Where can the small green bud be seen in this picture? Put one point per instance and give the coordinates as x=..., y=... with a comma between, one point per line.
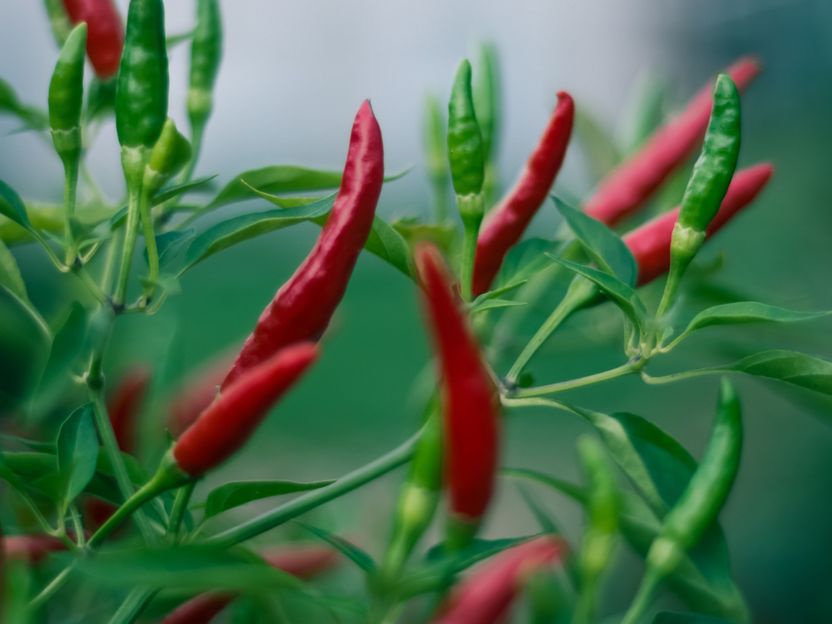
x=169, y=156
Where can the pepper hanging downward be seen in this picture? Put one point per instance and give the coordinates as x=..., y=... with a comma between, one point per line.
x=302, y=307
x=106, y=33
x=470, y=406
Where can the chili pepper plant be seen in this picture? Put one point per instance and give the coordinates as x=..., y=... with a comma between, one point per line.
x=102, y=525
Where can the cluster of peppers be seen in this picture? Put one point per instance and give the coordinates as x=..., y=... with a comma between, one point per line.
x=458, y=449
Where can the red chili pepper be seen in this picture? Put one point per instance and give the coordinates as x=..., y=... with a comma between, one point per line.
x=504, y=225
x=470, y=405
x=650, y=243
x=196, y=393
x=105, y=33
x=303, y=562
x=486, y=595
x=303, y=306
x=31, y=548
x=635, y=180
x=228, y=422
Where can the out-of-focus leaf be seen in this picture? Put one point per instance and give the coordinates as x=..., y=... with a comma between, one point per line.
x=11, y=206
x=24, y=345
x=352, y=552
x=524, y=260
x=230, y=495
x=597, y=144
x=275, y=179
x=10, y=276
x=10, y=104
x=77, y=447
x=646, y=113
x=667, y=617
x=386, y=243
x=70, y=337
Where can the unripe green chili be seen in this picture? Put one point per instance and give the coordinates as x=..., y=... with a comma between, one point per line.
x=436, y=152
x=699, y=505
x=486, y=89
x=66, y=99
x=58, y=20
x=141, y=110
x=708, y=183
x=206, y=53
x=467, y=160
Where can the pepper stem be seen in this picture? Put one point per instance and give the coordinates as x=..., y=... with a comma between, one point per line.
x=471, y=209
x=149, y=243
x=70, y=199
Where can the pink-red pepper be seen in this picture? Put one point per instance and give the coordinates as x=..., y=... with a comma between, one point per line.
x=226, y=424
x=650, y=243
x=634, y=181
x=196, y=393
x=105, y=34
x=470, y=406
x=31, y=548
x=302, y=308
x=506, y=223
x=487, y=594
x=303, y=562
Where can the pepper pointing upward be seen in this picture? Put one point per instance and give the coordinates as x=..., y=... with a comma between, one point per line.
x=301, y=309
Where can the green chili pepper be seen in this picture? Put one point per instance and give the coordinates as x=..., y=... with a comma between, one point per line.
x=170, y=154
x=699, y=505
x=141, y=112
x=206, y=52
x=602, y=524
x=58, y=20
x=66, y=99
x=419, y=495
x=487, y=105
x=436, y=155
x=708, y=183
x=467, y=159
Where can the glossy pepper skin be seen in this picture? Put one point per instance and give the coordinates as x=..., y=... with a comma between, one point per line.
x=302, y=308
x=470, y=409
x=303, y=562
x=506, y=223
x=206, y=53
x=105, y=40
x=66, y=97
x=486, y=596
x=142, y=88
x=634, y=181
x=227, y=423
x=466, y=152
x=650, y=242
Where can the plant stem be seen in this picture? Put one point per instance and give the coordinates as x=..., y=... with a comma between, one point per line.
x=149, y=242
x=130, y=234
x=133, y=606
x=271, y=519
x=180, y=506
x=70, y=198
x=641, y=603
x=131, y=505
x=581, y=291
x=466, y=267
x=665, y=379
x=613, y=373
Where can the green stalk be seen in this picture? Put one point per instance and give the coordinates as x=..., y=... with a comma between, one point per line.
x=70, y=200
x=149, y=242
x=613, y=373
x=471, y=209
x=130, y=233
x=644, y=598
x=133, y=605
x=300, y=505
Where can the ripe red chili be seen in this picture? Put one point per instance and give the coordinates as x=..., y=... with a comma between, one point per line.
x=195, y=394
x=31, y=548
x=634, y=181
x=303, y=562
x=229, y=421
x=303, y=306
x=650, y=243
x=487, y=594
x=504, y=225
x=470, y=406
x=105, y=34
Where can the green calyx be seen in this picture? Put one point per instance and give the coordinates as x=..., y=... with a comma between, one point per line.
x=66, y=95
x=168, y=157
x=465, y=145
x=142, y=87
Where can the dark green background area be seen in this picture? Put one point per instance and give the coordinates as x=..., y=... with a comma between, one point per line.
x=358, y=401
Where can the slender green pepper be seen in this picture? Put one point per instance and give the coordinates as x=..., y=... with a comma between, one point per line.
x=206, y=53
x=699, y=505
x=59, y=21
x=487, y=104
x=708, y=183
x=436, y=160
x=66, y=100
x=141, y=111
x=467, y=160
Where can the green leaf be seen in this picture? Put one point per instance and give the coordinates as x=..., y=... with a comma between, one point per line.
x=575, y=492
x=24, y=345
x=525, y=259
x=744, y=312
x=177, y=190
x=192, y=567
x=69, y=341
x=791, y=367
x=12, y=207
x=386, y=243
x=275, y=179
x=620, y=293
x=493, y=304
x=10, y=104
x=352, y=552
x=603, y=245
x=646, y=112
x=10, y=276
x=414, y=231
x=77, y=447
x=238, y=493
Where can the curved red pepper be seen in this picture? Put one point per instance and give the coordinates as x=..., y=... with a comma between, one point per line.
x=31, y=548
x=229, y=421
x=105, y=33
x=470, y=405
x=303, y=306
x=196, y=393
x=303, y=562
x=650, y=243
x=635, y=180
x=504, y=225
x=486, y=595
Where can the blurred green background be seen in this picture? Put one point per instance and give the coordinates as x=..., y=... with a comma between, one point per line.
x=294, y=76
